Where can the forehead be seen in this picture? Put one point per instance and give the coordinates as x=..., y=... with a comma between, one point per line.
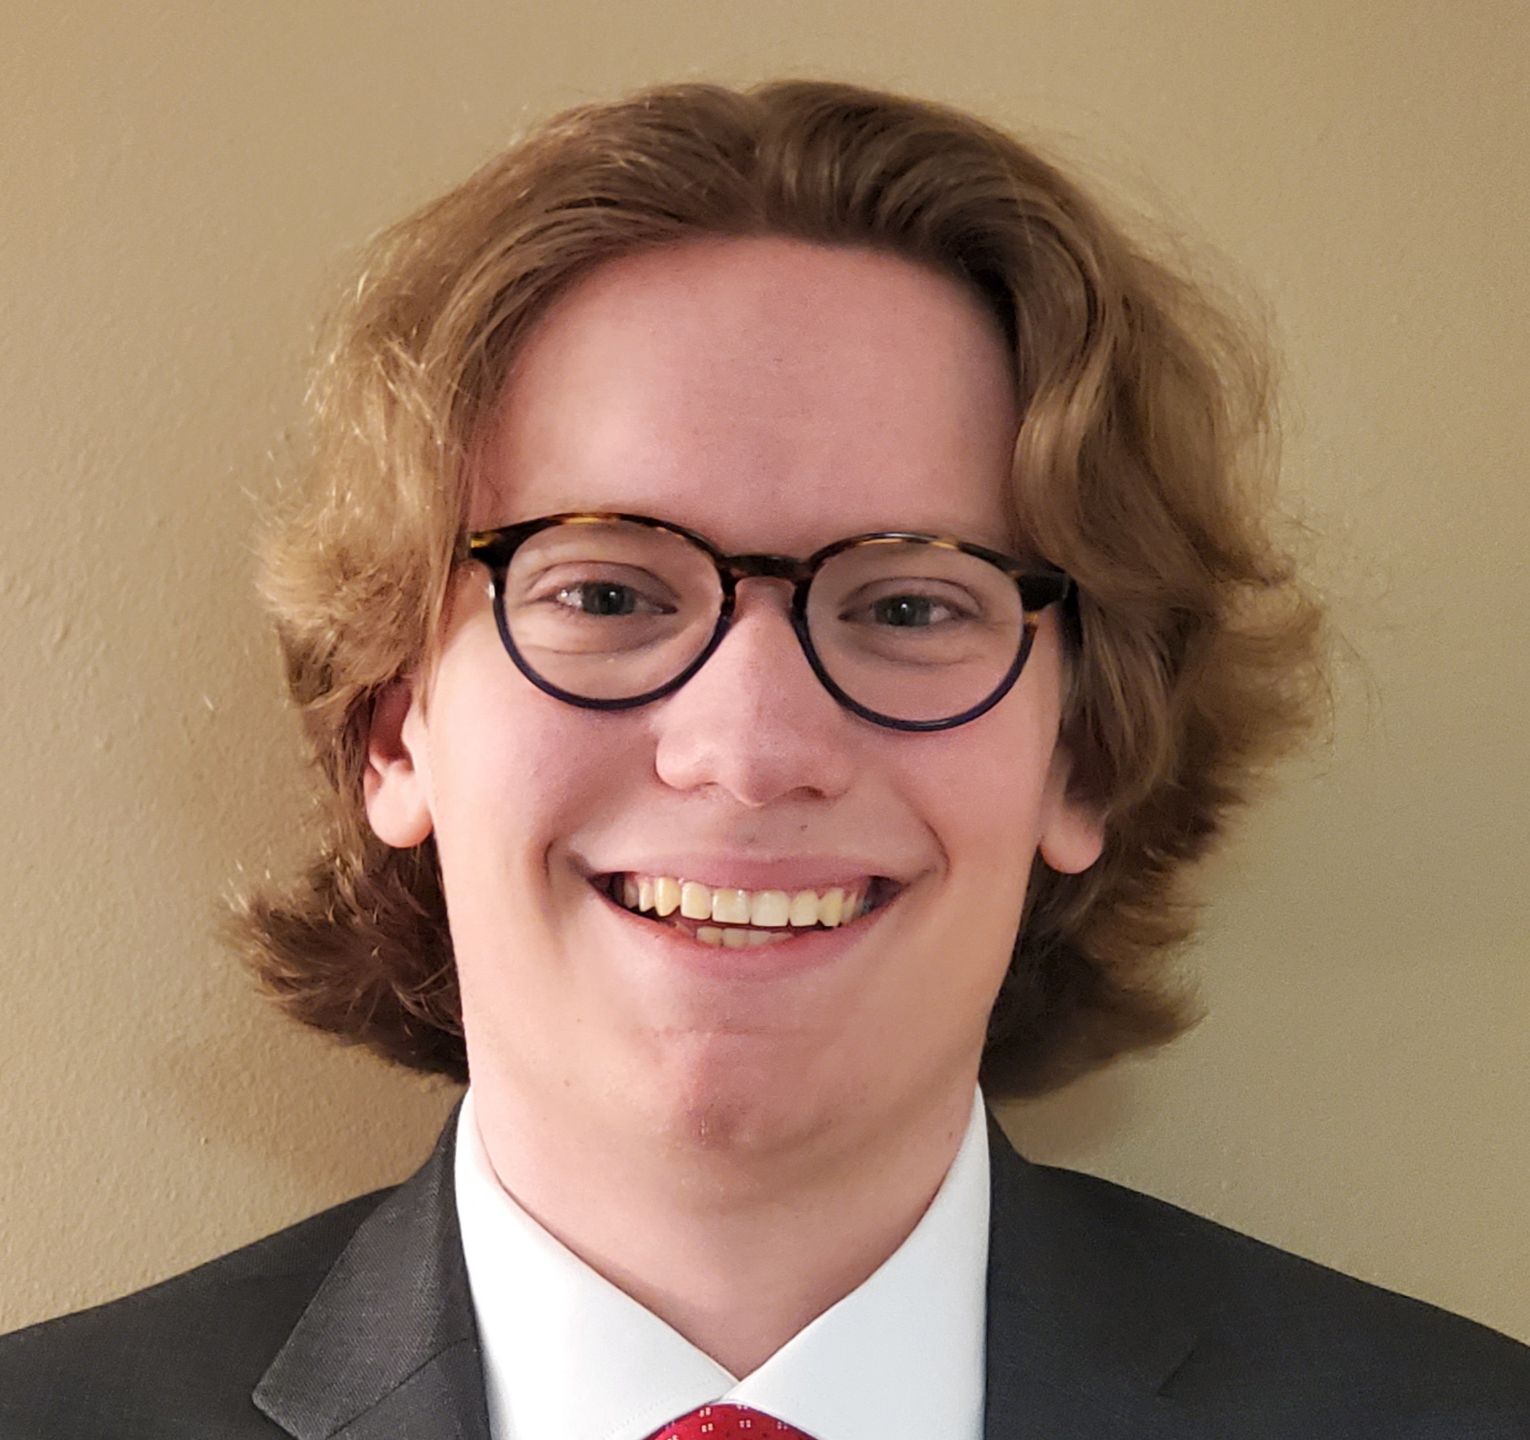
x=771, y=393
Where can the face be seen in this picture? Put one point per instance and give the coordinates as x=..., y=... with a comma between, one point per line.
x=773, y=395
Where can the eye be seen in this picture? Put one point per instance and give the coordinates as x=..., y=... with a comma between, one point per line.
x=925, y=607
x=910, y=612
x=605, y=598
x=598, y=592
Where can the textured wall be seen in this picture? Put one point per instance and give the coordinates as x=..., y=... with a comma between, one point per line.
x=180, y=182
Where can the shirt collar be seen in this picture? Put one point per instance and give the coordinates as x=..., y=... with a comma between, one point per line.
x=568, y=1356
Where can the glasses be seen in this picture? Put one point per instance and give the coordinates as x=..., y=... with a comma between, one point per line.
x=910, y=631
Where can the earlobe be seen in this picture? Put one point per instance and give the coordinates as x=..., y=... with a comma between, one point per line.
x=1073, y=833
x=395, y=783
x=1073, y=840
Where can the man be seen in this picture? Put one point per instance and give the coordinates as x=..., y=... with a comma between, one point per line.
x=778, y=609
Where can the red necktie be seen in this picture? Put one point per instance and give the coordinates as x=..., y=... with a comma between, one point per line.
x=726, y=1421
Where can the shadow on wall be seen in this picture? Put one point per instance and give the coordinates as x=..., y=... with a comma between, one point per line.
x=1079, y=1123
x=335, y=1121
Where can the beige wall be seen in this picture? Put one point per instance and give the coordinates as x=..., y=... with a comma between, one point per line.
x=179, y=182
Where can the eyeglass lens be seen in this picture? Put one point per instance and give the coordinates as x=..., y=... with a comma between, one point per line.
x=612, y=611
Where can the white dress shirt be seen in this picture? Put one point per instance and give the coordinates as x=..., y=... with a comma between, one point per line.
x=568, y=1356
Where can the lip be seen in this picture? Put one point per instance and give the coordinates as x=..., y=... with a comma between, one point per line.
x=807, y=950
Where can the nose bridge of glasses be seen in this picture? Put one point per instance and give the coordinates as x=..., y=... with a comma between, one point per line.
x=766, y=567
x=740, y=568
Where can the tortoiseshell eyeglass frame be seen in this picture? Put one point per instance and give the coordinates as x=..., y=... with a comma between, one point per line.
x=1038, y=589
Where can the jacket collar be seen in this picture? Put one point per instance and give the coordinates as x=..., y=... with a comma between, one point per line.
x=1084, y=1322
x=388, y=1347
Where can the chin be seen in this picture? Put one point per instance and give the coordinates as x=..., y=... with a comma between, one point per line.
x=732, y=1102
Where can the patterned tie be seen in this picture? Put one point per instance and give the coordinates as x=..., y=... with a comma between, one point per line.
x=727, y=1421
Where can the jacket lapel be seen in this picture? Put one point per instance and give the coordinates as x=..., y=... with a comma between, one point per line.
x=388, y=1347
x=1083, y=1326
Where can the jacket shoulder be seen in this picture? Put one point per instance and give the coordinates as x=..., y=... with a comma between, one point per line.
x=180, y=1358
x=1337, y=1347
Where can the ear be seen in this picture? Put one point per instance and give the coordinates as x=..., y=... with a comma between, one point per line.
x=396, y=783
x=1072, y=831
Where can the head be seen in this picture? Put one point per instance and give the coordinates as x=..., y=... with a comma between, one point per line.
x=777, y=317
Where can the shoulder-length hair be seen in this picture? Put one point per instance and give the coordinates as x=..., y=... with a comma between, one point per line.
x=1141, y=468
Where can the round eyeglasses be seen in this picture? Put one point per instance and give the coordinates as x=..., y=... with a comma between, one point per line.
x=907, y=630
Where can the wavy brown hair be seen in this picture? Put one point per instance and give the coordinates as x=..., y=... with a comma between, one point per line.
x=1142, y=468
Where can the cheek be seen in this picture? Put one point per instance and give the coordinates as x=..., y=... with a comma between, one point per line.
x=985, y=801
x=984, y=806
x=513, y=771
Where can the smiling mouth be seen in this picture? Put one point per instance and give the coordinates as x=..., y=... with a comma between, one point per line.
x=740, y=919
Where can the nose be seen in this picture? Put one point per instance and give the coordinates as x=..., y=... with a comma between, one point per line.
x=754, y=721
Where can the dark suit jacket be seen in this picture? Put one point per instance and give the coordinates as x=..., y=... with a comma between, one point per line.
x=1110, y=1315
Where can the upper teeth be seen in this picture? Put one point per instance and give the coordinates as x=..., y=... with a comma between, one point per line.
x=664, y=894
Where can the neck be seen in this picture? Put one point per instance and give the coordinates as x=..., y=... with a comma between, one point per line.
x=696, y=1234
